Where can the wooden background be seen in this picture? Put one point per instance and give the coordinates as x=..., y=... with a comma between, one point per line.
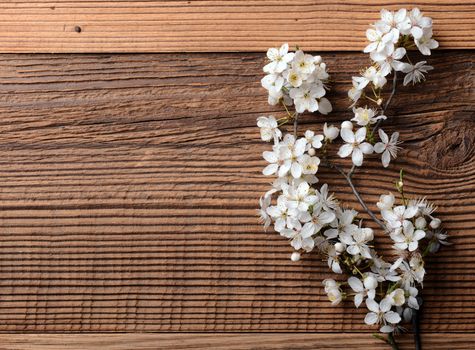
x=129, y=182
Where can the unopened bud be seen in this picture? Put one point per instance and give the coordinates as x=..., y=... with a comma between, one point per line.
x=339, y=247
x=347, y=124
x=311, y=151
x=295, y=256
x=435, y=223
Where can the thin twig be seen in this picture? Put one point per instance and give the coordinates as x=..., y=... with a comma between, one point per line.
x=357, y=195
x=385, y=108
x=296, y=121
x=416, y=329
x=392, y=342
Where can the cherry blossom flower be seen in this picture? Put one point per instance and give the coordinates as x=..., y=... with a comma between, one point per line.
x=331, y=132
x=305, y=97
x=389, y=59
x=362, y=289
x=325, y=201
x=386, y=201
x=279, y=59
x=365, y=116
x=300, y=237
x=370, y=75
x=381, y=314
x=269, y=128
x=378, y=40
x=333, y=291
x=343, y=223
x=303, y=63
x=388, y=147
x=318, y=219
x=264, y=203
x=397, y=216
x=425, y=43
x=299, y=197
x=309, y=164
x=415, y=73
x=394, y=22
x=418, y=23
x=355, y=145
x=313, y=140
x=357, y=242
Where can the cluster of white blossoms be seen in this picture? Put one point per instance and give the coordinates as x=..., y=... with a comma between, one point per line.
x=389, y=39
x=389, y=291
x=309, y=216
x=296, y=78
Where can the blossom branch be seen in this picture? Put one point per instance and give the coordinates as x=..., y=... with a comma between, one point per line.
x=309, y=216
x=348, y=179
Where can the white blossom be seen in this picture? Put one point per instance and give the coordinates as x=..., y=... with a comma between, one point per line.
x=386, y=201
x=397, y=216
x=303, y=63
x=331, y=132
x=357, y=240
x=300, y=237
x=309, y=164
x=378, y=40
x=318, y=219
x=313, y=140
x=279, y=59
x=305, y=97
x=269, y=128
x=299, y=197
x=366, y=116
x=326, y=201
x=389, y=59
x=381, y=314
x=425, y=43
x=333, y=291
x=355, y=145
x=372, y=75
x=363, y=289
x=418, y=23
x=394, y=23
x=388, y=147
x=415, y=73
x=343, y=223
x=264, y=217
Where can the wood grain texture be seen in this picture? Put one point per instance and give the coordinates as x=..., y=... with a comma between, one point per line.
x=212, y=26
x=242, y=341
x=129, y=187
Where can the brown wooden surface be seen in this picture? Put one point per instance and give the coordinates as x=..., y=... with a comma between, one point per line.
x=242, y=341
x=129, y=185
x=212, y=26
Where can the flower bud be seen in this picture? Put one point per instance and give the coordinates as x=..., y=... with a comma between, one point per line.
x=435, y=223
x=421, y=223
x=318, y=59
x=330, y=132
x=368, y=234
x=339, y=247
x=400, y=184
x=370, y=282
x=295, y=256
x=347, y=124
x=311, y=152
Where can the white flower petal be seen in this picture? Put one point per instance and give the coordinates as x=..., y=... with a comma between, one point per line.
x=345, y=150
x=357, y=157
x=270, y=169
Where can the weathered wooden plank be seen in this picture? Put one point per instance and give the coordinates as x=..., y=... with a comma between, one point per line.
x=211, y=26
x=129, y=185
x=242, y=341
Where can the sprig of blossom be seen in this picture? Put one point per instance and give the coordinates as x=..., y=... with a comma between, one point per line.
x=308, y=215
x=296, y=78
